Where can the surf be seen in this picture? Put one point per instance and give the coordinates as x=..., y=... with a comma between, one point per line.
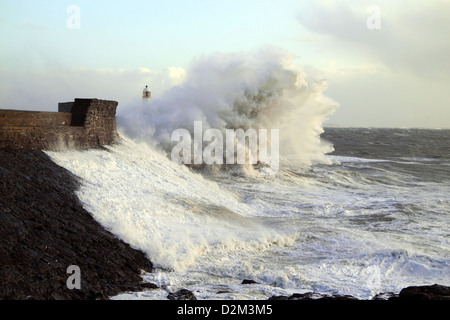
x=264, y=90
x=172, y=214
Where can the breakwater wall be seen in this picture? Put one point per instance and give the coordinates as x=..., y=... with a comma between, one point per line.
x=83, y=123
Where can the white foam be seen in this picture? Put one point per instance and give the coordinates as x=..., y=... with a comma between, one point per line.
x=328, y=229
x=258, y=90
x=162, y=208
x=342, y=159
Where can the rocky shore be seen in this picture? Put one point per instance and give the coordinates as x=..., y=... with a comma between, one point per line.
x=413, y=293
x=44, y=230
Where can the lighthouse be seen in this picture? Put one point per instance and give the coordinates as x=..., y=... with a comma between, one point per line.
x=146, y=93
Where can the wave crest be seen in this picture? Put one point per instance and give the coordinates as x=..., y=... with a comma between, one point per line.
x=260, y=90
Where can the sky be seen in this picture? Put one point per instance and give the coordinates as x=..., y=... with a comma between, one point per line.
x=387, y=63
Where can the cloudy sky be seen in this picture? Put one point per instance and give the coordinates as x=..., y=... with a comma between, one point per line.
x=387, y=62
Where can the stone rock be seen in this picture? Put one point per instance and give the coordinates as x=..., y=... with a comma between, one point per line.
x=313, y=296
x=145, y=286
x=385, y=296
x=182, y=294
x=246, y=281
x=433, y=292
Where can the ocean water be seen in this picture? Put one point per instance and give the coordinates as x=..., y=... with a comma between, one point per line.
x=372, y=218
x=349, y=211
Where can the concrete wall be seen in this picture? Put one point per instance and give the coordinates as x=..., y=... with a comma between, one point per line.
x=34, y=118
x=92, y=122
x=65, y=106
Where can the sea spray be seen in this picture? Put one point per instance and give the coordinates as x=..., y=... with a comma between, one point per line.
x=260, y=90
x=230, y=150
x=170, y=213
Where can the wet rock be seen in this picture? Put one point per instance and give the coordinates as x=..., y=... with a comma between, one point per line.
x=182, y=294
x=223, y=292
x=433, y=292
x=246, y=281
x=385, y=296
x=313, y=296
x=145, y=286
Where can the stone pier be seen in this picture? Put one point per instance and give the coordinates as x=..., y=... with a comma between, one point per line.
x=83, y=123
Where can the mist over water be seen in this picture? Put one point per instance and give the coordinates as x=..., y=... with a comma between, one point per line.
x=260, y=90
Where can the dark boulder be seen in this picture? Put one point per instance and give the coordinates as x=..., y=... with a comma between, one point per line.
x=433, y=292
x=313, y=296
x=246, y=281
x=182, y=294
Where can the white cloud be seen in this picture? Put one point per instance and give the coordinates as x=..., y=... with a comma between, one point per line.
x=146, y=70
x=413, y=37
x=388, y=100
x=393, y=76
x=177, y=75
